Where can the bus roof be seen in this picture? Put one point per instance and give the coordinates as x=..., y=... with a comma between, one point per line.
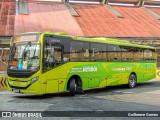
x=96, y=40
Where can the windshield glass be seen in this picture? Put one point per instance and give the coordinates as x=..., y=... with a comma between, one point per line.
x=24, y=56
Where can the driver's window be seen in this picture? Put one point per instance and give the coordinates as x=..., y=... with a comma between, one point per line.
x=52, y=56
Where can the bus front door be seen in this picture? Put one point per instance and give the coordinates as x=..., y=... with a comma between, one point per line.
x=52, y=66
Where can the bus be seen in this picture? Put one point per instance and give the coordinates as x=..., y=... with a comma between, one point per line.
x=48, y=62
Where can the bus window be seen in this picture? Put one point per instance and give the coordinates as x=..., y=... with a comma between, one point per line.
x=74, y=51
x=79, y=51
x=114, y=53
x=149, y=54
x=154, y=57
x=98, y=52
x=138, y=54
x=64, y=41
x=127, y=53
x=52, y=55
x=84, y=51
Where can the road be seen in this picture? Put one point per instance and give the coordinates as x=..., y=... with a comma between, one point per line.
x=145, y=97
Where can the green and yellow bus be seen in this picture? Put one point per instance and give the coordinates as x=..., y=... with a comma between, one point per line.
x=42, y=63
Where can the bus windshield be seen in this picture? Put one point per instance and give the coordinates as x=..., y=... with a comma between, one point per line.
x=24, y=56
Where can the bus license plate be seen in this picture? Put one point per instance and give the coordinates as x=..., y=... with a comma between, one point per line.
x=16, y=90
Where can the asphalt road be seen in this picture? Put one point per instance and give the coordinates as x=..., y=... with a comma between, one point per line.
x=145, y=97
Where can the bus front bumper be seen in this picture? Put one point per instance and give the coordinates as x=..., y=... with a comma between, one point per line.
x=26, y=87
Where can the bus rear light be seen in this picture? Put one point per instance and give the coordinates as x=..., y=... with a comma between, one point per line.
x=34, y=80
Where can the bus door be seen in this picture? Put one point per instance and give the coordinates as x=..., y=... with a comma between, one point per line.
x=53, y=59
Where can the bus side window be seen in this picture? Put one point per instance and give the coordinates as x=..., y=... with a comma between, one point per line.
x=98, y=52
x=114, y=53
x=154, y=57
x=52, y=55
x=66, y=52
x=138, y=54
x=79, y=51
x=149, y=54
x=127, y=53
x=84, y=51
x=74, y=51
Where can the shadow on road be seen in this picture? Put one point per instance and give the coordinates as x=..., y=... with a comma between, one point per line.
x=44, y=96
x=141, y=87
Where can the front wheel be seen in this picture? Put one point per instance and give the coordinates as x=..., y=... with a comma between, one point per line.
x=72, y=87
x=132, y=81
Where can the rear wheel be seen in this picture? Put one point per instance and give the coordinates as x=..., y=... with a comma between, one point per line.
x=132, y=81
x=72, y=87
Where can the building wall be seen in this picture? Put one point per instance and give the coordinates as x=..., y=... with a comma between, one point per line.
x=3, y=66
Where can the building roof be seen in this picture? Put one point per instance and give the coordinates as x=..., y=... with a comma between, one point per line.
x=47, y=17
x=98, y=20
x=93, y=20
x=7, y=13
x=155, y=10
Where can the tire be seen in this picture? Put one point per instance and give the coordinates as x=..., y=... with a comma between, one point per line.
x=79, y=90
x=72, y=87
x=132, y=81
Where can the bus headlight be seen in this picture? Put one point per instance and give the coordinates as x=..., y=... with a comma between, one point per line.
x=34, y=80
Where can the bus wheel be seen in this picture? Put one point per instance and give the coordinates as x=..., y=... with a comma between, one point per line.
x=132, y=81
x=72, y=87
